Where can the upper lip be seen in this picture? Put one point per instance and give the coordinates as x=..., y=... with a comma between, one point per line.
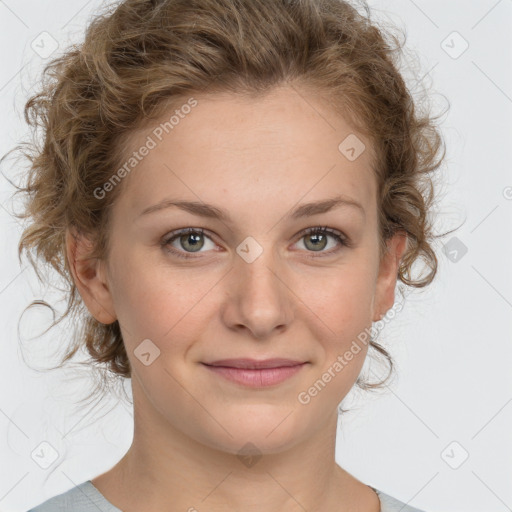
x=255, y=363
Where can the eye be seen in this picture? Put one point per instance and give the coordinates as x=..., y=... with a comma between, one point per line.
x=316, y=239
x=192, y=241
x=188, y=238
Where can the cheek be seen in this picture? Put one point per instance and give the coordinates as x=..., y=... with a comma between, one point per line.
x=342, y=308
x=342, y=300
x=156, y=301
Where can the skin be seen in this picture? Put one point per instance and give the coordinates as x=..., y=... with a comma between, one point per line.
x=258, y=159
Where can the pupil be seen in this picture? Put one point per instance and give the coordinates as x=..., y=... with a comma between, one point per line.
x=317, y=236
x=195, y=240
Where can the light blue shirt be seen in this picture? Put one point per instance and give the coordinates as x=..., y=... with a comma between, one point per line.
x=86, y=498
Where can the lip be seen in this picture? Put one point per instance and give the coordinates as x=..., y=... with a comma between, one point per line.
x=276, y=362
x=256, y=374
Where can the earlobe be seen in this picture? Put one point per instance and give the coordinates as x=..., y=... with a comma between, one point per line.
x=89, y=277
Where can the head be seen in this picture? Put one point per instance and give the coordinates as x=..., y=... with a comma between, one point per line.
x=250, y=111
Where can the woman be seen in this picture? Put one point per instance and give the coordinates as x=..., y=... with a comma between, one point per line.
x=232, y=189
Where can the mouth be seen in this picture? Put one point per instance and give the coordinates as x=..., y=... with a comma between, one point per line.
x=256, y=374
x=255, y=364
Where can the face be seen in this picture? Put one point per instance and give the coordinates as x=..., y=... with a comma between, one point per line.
x=254, y=283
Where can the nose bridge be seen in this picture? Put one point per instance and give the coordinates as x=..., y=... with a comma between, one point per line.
x=259, y=276
x=259, y=299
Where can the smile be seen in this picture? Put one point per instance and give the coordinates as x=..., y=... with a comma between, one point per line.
x=256, y=377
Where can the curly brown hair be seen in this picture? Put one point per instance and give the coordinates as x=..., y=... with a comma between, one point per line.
x=139, y=55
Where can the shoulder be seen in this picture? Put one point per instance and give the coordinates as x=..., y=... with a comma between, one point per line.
x=80, y=498
x=86, y=498
x=390, y=504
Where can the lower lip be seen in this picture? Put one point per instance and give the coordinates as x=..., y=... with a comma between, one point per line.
x=256, y=378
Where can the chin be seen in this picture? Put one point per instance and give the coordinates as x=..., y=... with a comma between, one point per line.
x=262, y=432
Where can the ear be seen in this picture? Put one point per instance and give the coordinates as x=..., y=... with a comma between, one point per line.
x=89, y=276
x=388, y=273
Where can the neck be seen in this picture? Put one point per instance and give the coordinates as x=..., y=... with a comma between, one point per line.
x=164, y=466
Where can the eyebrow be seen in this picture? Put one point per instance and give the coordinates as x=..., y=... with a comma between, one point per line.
x=210, y=211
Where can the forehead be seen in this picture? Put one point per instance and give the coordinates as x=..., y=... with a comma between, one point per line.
x=286, y=143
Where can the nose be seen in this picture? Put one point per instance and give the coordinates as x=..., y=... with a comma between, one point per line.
x=258, y=299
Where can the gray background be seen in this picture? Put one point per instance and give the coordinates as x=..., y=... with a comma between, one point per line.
x=452, y=397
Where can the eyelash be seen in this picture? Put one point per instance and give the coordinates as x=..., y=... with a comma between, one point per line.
x=319, y=230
